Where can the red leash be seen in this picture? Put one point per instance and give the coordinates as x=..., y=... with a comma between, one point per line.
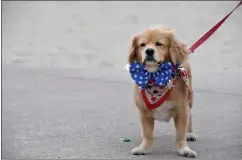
x=148, y=100
x=211, y=31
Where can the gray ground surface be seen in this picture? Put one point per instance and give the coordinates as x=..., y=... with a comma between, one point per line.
x=65, y=93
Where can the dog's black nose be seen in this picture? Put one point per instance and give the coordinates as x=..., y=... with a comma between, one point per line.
x=150, y=52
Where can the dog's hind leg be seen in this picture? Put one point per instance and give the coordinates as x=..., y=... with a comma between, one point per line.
x=191, y=136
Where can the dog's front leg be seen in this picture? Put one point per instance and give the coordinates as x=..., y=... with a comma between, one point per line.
x=147, y=128
x=181, y=120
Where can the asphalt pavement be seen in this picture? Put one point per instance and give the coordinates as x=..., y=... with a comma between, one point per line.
x=51, y=114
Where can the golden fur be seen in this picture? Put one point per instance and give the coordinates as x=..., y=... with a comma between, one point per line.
x=175, y=51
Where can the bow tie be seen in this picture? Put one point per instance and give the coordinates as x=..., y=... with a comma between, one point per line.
x=161, y=77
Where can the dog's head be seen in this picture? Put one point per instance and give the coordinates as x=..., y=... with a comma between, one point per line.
x=154, y=46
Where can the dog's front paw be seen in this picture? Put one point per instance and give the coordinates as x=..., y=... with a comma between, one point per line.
x=187, y=152
x=191, y=137
x=140, y=151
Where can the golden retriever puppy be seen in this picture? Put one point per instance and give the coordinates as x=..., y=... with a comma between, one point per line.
x=151, y=49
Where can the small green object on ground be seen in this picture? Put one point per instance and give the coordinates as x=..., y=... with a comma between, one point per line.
x=125, y=139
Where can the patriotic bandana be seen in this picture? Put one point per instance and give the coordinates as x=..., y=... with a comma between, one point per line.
x=141, y=76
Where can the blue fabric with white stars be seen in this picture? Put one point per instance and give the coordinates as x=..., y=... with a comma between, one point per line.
x=161, y=77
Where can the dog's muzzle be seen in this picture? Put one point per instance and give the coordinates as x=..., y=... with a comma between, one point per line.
x=150, y=56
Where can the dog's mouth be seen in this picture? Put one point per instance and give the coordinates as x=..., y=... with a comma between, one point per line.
x=150, y=63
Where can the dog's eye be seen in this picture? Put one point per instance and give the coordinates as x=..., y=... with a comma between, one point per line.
x=142, y=45
x=158, y=44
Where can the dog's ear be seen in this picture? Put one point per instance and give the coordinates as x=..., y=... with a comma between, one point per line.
x=133, y=50
x=177, y=50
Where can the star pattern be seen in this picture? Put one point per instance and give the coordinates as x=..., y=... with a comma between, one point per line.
x=141, y=76
x=169, y=84
x=155, y=91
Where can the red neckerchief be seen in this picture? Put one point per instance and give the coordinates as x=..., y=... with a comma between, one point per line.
x=154, y=95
